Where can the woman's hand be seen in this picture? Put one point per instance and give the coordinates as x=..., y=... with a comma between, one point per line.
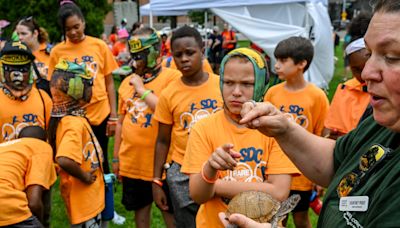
x=239, y=220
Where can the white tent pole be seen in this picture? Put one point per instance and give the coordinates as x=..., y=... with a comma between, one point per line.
x=150, y=15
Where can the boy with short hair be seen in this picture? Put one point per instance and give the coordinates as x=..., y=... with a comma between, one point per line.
x=306, y=104
x=138, y=94
x=27, y=169
x=185, y=101
x=225, y=158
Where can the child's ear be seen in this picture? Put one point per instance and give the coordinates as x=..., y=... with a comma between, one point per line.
x=302, y=64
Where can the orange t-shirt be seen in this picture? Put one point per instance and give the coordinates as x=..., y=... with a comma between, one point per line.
x=228, y=36
x=182, y=106
x=23, y=162
x=139, y=129
x=118, y=47
x=42, y=60
x=206, y=65
x=347, y=106
x=261, y=156
x=73, y=141
x=308, y=107
x=100, y=62
x=15, y=114
x=113, y=38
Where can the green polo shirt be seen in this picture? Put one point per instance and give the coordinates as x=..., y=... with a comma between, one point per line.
x=382, y=185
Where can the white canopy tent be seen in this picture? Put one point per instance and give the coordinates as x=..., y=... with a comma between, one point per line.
x=266, y=22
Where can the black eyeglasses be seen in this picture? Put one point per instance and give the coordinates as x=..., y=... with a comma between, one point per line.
x=368, y=162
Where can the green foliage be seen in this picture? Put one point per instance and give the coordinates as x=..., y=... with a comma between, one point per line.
x=45, y=13
x=198, y=16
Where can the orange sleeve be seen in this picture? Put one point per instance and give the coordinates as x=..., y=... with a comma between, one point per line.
x=321, y=113
x=278, y=162
x=163, y=114
x=52, y=63
x=41, y=170
x=121, y=99
x=197, y=150
x=109, y=61
x=70, y=145
x=207, y=67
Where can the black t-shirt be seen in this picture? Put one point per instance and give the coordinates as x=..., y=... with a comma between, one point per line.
x=217, y=47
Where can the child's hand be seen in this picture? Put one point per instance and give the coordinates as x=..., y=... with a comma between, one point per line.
x=224, y=158
x=90, y=177
x=137, y=82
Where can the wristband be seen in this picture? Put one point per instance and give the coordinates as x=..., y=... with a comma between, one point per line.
x=158, y=182
x=115, y=160
x=113, y=119
x=144, y=95
x=206, y=179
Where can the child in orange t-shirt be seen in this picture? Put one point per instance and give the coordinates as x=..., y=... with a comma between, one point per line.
x=306, y=104
x=134, y=156
x=81, y=48
x=22, y=103
x=185, y=101
x=78, y=152
x=225, y=158
x=26, y=170
x=349, y=105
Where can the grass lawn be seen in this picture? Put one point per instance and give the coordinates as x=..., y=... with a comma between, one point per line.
x=59, y=218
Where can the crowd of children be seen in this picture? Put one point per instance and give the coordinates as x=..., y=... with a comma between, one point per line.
x=178, y=137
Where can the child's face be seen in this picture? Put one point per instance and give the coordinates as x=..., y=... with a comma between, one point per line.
x=74, y=29
x=357, y=62
x=187, y=56
x=238, y=84
x=286, y=68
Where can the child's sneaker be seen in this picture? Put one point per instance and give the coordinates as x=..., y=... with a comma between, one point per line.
x=118, y=219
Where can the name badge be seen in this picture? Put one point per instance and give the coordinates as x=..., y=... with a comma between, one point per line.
x=353, y=203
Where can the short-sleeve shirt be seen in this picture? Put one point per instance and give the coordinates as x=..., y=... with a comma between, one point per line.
x=139, y=129
x=261, y=156
x=23, y=162
x=348, y=106
x=308, y=107
x=42, y=59
x=182, y=106
x=83, y=201
x=100, y=62
x=381, y=185
x=16, y=114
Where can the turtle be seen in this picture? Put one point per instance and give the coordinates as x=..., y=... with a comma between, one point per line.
x=261, y=207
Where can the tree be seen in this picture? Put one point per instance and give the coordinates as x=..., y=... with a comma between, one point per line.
x=198, y=16
x=45, y=13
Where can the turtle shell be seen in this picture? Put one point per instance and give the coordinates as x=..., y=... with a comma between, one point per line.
x=257, y=205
